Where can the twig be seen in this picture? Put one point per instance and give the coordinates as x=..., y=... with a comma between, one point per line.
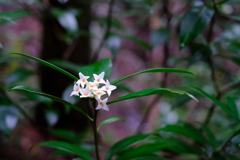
x=109, y=25
x=95, y=131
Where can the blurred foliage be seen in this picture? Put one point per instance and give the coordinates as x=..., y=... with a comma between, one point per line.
x=200, y=36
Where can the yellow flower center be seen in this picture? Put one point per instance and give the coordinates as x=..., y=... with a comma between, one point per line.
x=101, y=103
x=85, y=94
x=83, y=80
x=92, y=85
x=106, y=88
x=98, y=80
x=98, y=93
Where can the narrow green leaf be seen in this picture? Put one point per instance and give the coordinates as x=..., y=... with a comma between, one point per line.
x=171, y=144
x=49, y=65
x=124, y=144
x=193, y=23
x=185, y=130
x=65, y=134
x=145, y=157
x=232, y=105
x=210, y=136
x=25, y=89
x=109, y=120
x=151, y=91
x=6, y=17
x=66, y=65
x=105, y=65
x=64, y=146
x=213, y=99
x=168, y=70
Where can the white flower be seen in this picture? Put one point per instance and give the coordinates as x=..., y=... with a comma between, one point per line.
x=85, y=92
x=76, y=90
x=108, y=88
x=92, y=86
x=83, y=80
x=102, y=104
x=99, y=93
x=99, y=78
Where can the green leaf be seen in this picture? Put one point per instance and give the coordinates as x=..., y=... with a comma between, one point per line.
x=159, y=36
x=66, y=65
x=213, y=99
x=25, y=89
x=145, y=157
x=123, y=88
x=185, y=130
x=124, y=144
x=109, y=120
x=210, y=136
x=105, y=65
x=168, y=70
x=171, y=144
x=151, y=91
x=193, y=23
x=65, y=147
x=65, y=134
x=49, y=65
x=6, y=17
x=234, y=108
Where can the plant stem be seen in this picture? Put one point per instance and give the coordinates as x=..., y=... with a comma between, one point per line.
x=95, y=131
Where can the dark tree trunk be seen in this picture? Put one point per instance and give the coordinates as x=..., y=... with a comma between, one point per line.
x=54, y=47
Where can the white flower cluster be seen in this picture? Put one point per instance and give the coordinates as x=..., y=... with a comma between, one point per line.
x=86, y=89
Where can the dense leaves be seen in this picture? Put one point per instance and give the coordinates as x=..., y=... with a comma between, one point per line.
x=194, y=23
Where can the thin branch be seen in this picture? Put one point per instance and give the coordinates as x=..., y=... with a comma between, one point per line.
x=109, y=25
x=95, y=131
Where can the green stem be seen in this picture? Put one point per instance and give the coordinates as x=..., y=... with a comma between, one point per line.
x=95, y=131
